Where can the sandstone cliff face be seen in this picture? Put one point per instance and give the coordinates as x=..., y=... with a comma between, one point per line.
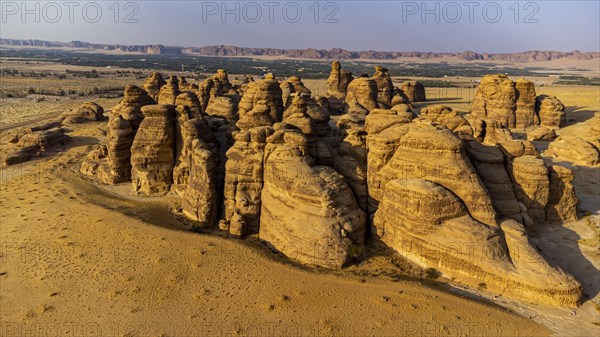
x=525, y=111
x=308, y=212
x=532, y=185
x=130, y=106
x=261, y=104
x=490, y=164
x=430, y=225
x=153, y=151
x=434, y=153
x=191, y=101
x=415, y=91
x=153, y=84
x=244, y=177
x=200, y=201
x=120, y=136
x=562, y=201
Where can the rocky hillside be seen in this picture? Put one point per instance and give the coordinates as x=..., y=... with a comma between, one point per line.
x=310, y=53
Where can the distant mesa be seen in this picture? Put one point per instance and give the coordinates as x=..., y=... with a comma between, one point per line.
x=310, y=53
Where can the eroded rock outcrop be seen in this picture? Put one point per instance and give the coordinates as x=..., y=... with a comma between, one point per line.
x=117, y=168
x=200, y=201
x=244, y=177
x=551, y=112
x=130, y=106
x=153, y=84
x=337, y=83
x=361, y=96
x=88, y=112
x=168, y=93
x=575, y=150
x=153, y=152
x=261, y=104
x=415, y=91
x=385, y=87
x=308, y=212
x=431, y=226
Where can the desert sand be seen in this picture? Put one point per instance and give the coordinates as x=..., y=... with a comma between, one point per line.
x=82, y=259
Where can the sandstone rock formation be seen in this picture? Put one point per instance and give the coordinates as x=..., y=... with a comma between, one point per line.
x=415, y=91
x=244, y=177
x=532, y=185
x=130, y=106
x=153, y=84
x=191, y=101
x=261, y=104
x=152, y=151
x=434, y=153
x=541, y=134
x=361, y=96
x=93, y=160
x=431, y=226
x=515, y=105
x=337, y=84
x=168, y=93
x=551, y=112
x=34, y=143
x=525, y=111
x=200, y=201
x=291, y=87
x=562, y=201
x=117, y=168
x=308, y=212
x=443, y=115
x=89, y=111
x=385, y=87
x=575, y=150
x=496, y=99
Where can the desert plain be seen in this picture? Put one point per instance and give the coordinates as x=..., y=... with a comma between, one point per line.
x=85, y=259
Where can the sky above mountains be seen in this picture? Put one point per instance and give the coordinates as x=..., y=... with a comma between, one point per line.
x=438, y=26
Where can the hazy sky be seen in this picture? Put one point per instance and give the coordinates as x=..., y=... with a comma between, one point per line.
x=354, y=25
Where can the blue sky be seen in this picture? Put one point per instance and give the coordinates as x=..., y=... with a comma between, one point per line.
x=354, y=25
